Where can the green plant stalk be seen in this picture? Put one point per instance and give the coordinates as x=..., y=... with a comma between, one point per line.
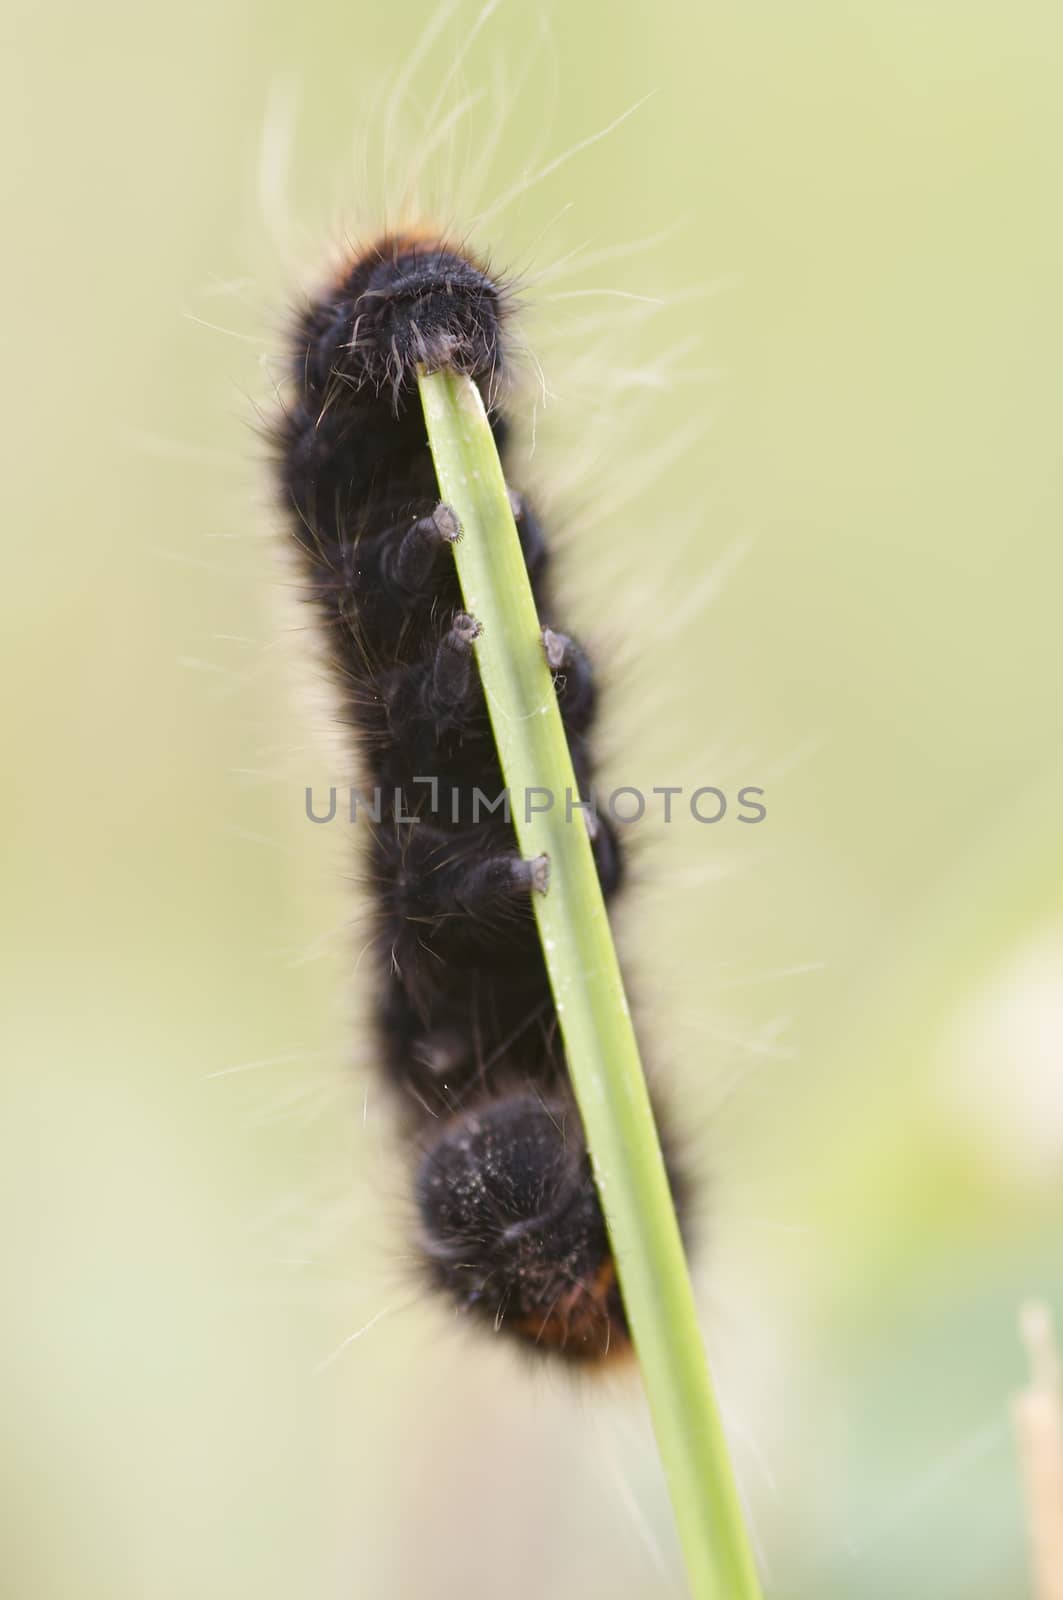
x=600, y=1045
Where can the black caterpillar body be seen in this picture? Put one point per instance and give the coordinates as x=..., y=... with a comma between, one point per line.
x=509, y=1215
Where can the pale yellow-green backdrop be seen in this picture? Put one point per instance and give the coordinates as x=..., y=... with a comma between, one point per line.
x=843, y=584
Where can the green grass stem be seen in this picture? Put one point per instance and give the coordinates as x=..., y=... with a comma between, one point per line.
x=592, y=1009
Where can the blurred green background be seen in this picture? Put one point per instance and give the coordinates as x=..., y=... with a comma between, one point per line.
x=816, y=544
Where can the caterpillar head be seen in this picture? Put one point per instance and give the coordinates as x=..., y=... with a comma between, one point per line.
x=513, y=1229
x=414, y=302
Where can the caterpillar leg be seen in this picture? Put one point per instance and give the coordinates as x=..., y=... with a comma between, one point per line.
x=498, y=878
x=378, y=587
x=530, y=533
x=410, y=561
x=434, y=697
x=441, y=1052
x=607, y=857
x=573, y=680
x=443, y=877
x=453, y=675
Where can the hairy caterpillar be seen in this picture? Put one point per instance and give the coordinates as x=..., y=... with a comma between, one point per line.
x=510, y=1222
